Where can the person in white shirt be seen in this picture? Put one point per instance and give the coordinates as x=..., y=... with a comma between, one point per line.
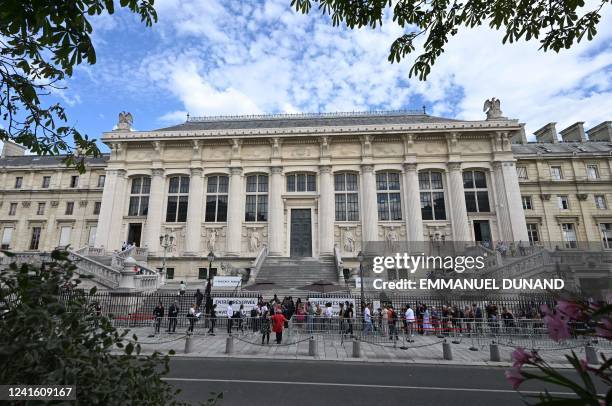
x=409, y=321
x=230, y=313
x=367, y=319
x=182, y=288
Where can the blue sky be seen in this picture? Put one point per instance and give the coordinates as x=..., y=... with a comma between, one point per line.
x=230, y=57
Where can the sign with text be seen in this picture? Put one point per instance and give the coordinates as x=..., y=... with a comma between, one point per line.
x=222, y=302
x=335, y=302
x=227, y=281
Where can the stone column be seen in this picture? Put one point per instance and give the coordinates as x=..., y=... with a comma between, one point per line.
x=501, y=203
x=461, y=231
x=106, y=208
x=155, y=215
x=518, y=225
x=235, y=213
x=414, y=220
x=370, y=207
x=275, y=212
x=114, y=237
x=326, y=211
x=193, y=227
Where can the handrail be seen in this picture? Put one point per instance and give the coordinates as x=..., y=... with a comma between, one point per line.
x=338, y=261
x=258, y=261
x=104, y=272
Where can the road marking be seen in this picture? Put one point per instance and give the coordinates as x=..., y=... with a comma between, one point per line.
x=363, y=385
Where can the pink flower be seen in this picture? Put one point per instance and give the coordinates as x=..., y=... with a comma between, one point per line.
x=514, y=376
x=605, y=328
x=557, y=326
x=520, y=357
x=571, y=309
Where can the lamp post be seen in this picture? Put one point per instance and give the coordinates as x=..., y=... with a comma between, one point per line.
x=211, y=258
x=166, y=241
x=360, y=259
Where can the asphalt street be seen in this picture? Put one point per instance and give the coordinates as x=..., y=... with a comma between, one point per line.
x=294, y=383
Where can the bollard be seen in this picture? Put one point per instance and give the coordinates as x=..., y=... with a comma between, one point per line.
x=356, y=349
x=591, y=355
x=312, y=347
x=187, y=343
x=229, y=345
x=446, y=351
x=494, y=350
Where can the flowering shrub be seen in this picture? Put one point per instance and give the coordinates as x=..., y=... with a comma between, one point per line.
x=562, y=323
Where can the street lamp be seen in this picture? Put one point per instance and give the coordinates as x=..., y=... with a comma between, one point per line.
x=360, y=259
x=211, y=258
x=165, y=241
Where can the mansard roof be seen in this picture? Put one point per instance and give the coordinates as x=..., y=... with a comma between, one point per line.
x=562, y=148
x=305, y=120
x=46, y=160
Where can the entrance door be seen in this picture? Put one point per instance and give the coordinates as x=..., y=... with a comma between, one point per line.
x=482, y=231
x=301, y=233
x=134, y=232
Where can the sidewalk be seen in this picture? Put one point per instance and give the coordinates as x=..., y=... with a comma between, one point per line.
x=424, y=349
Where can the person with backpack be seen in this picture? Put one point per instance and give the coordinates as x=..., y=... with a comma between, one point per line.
x=158, y=313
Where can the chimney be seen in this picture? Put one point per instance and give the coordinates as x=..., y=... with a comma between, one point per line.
x=548, y=133
x=574, y=133
x=601, y=132
x=11, y=149
x=519, y=137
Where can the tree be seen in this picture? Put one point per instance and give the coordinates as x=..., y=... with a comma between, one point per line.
x=40, y=44
x=557, y=24
x=51, y=335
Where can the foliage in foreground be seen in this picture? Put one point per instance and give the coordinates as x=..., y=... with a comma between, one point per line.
x=46, y=339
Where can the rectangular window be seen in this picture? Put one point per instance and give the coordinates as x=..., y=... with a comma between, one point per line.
x=65, y=236
x=178, y=197
x=202, y=273
x=564, y=202
x=46, y=182
x=569, y=235
x=521, y=171
x=532, y=232
x=18, y=182
x=74, y=181
x=91, y=240
x=301, y=182
x=592, y=172
x=256, y=206
x=556, y=173
x=12, y=209
x=389, y=204
x=101, y=180
x=527, y=203
x=169, y=273
x=600, y=202
x=7, y=236
x=35, y=240
x=69, y=208
x=346, y=197
x=216, y=199
x=606, y=234
x=96, y=209
x=41, y=209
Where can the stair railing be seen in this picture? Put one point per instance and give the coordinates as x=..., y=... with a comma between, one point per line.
x=258, y=262
x=338, y=262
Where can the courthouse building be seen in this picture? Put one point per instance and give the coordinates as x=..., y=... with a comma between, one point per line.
x=302, y=185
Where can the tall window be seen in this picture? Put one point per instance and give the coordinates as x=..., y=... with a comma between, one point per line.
x=556, y=173
x=178, y=196
x=13, y=209
x=600, y=202
x=41, y=209
x=301, y=182
x=101, y=180
x=569, y=235
x=606, y=234
x=96, y=208
x=256, y=198
x=563, y=202
x=521, y=171
x=532, y=233
x=65, y=232
x=74, y=181
x=18, y=182
x=388, y=196
x=432, y=196
x=216, y=198
x=139, y=196
x=592, y=171
x=35, y=240
x=347, y=200
x=46, y=181
x=476, y=193
x=7, y=236
x=69, y=208
x=527, y=203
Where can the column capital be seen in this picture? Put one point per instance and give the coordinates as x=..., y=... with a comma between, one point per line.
x=197, y=171
x=367, y=168
x=236, y=170
x=410, y=166
x=158, y=172
x=454, y=166
x=276, y=169
x=325, y=168
x=497, y=164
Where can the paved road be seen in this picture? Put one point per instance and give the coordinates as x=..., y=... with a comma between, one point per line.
x=294, y=383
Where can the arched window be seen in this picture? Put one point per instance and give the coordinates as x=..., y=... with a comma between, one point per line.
x=216, y=198
x=432, y=195
x=139, y=196
x=256, y=198
x=301, y=182
x=476, y=193
x=178, y=196
x=388, y=196
x=347, y=199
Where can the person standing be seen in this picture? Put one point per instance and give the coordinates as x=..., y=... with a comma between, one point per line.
x=199, y=297
x=348, y=317
x=229, y=312
x=367, y=319
x=213, y=319
x=310, y=315
x=158, y=313
x=278, y=323
x=392, y=323
x=192, y=317
x=409, y=321
x=182, y=288
x=173, y=312
x=265, y=328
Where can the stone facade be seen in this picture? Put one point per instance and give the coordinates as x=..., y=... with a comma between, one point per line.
x=303, y=184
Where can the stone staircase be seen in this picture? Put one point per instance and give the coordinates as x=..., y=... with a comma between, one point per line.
x=298, y=272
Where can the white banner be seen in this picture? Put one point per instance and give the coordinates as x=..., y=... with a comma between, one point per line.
x=335, y=302
x=222, y=302
x=227, y=281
